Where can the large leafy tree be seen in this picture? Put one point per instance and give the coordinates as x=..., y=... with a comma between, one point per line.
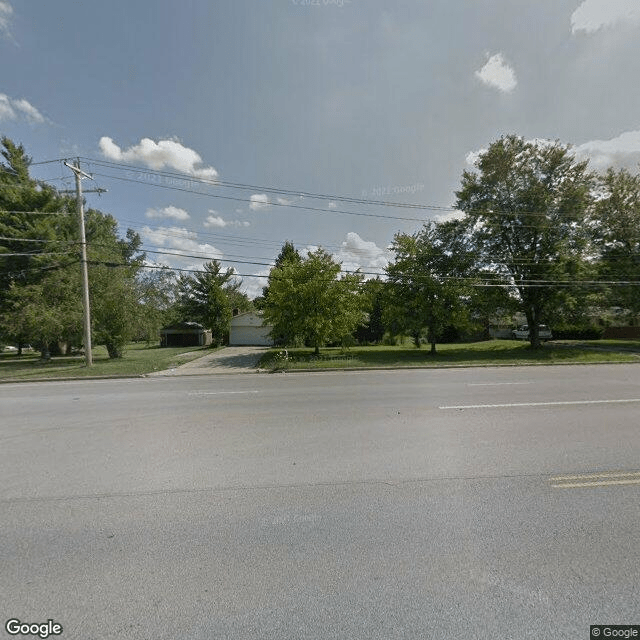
x=34, y=240
x=114, y=264
x=372, y=328
x=428, y=281
x=283, y=333
x=617, y=232
x=208, y=297
x=40, y=290
x=528, y=202
x=307, y=300
x=157, y=294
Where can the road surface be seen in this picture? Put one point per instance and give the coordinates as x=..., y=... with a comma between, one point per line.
x=472, y=502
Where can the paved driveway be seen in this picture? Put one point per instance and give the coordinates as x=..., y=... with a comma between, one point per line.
x=227, y=360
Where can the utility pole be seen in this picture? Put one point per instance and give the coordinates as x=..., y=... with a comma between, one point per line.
x=79, y=174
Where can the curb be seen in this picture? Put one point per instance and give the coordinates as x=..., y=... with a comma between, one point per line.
x=151, y=375
x=67, y=379
x=454, y=366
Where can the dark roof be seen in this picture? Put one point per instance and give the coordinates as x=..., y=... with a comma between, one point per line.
x=187, y=326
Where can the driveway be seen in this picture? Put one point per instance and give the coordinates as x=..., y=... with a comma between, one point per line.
x=227, y=360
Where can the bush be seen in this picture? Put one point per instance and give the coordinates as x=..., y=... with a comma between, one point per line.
x=578, y=332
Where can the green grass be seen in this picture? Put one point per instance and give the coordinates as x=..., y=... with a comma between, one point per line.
x=622, y=345
x=138, y=359
x=476, y=353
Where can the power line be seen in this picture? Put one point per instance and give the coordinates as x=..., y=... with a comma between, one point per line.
x=40, y=213
x=267, y=189
x=245, y=200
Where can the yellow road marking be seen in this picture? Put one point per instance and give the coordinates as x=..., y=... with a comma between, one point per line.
x=587, y=476
x=601, y=483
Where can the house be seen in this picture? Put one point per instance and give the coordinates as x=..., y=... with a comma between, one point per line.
x=185, y=334
x=248, y=329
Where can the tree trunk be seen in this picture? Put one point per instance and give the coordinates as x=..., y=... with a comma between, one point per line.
x=534, y=328
x=433, y=348
x=114, y=350
x=316, y=351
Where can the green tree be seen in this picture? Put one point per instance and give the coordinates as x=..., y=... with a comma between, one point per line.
x=39, y=264
x=157, y=293
x=427, y=283
x=372, y=329
x=281, y=334
x=206, y=297
x=617, y=233
x=527, y=203
x=47, y=311
x=307, y=300
x=114, y=264
x=31, y=244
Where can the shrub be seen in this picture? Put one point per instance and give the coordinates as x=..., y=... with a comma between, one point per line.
x=578, y=332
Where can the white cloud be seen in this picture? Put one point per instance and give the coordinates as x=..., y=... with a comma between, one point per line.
x=168, y=212
x=473, y=156
x=6, y=110
x=332, y=205
x=252, y=285
x=452, y=215
x=12, y=109
x=6, y=11
x=593, y=15
x=259, y=201
x=498, y=74
x=356, y=253
x=158, y=155
x=182, y=241
x=29, y=111
x=216, y=221
x=283, y=201
x=618, y=152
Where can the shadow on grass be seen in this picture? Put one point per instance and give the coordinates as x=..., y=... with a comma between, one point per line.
x=485, y=353
x=139, y=358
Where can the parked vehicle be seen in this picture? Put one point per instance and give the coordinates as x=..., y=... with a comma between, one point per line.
x=522, y=333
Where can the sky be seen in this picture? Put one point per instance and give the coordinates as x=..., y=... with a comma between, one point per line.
x=223, y=129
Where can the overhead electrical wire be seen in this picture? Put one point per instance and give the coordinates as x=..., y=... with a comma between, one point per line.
x=283, y=191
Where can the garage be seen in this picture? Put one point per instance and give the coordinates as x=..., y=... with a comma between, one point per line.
x=248, y=329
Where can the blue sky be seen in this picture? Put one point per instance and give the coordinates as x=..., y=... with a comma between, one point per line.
x=358, y=98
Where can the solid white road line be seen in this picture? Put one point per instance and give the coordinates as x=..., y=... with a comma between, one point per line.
x=538, y=404
x=217, y=393
x=494, y=384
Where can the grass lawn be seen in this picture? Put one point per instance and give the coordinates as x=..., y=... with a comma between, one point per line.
x=476, y=353
x=629, y=345
x=138, y=359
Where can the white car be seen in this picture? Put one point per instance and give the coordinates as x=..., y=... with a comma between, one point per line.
x=522, y=333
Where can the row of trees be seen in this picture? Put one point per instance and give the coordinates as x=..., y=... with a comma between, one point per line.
x=40, y=299
x=537, y=232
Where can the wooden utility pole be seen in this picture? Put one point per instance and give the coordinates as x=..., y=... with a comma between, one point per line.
x=79, y=174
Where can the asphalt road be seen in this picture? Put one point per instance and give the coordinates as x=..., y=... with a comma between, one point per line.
x=458, y=503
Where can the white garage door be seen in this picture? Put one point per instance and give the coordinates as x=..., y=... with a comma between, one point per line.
x=249, y=336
